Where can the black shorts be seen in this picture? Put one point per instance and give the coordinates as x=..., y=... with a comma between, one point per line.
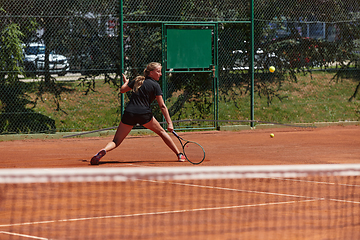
x=134, y=119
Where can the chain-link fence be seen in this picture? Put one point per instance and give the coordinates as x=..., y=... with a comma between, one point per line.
x=73, y=52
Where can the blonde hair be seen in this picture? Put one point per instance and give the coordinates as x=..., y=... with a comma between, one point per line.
x=139, y=80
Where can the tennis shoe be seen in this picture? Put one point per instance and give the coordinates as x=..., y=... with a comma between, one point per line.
x=181, y=157
x=95, y=159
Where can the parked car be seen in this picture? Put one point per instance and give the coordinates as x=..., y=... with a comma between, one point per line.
x=34, y=60
x=262, y=60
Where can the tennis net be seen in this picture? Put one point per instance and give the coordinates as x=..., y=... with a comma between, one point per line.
x=223, y=202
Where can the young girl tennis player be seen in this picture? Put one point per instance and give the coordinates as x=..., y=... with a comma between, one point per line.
x=145, y=91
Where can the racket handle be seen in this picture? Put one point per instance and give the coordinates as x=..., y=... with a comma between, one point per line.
x=175, y=133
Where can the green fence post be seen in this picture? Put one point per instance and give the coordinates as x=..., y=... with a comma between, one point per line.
x=216, y=74
x=121, y=46
x=251, y=68
x=164, y=65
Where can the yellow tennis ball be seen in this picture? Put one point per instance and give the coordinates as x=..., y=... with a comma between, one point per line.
x=272, y=69
x=272, y=135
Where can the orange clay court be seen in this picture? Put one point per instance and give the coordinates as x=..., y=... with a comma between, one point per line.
x=324, y=145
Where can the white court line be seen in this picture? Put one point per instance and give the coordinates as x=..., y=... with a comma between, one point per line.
x=23, y=235
x=181, y=211
x=238, y=190
x=309, y=199
x=317, y=182
x=258, y=192
x=154, y=213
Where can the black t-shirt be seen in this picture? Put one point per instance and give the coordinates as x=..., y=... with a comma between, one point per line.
x=140, y=101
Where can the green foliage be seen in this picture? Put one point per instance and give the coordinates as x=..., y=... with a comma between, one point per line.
x=73, y=27
x=15, y=117
x=10, y=53
x=191, y=95
x=185, y=10
x=80, y=110
x=311, y=99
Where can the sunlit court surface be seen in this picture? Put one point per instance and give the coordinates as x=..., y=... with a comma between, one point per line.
x=303, y=183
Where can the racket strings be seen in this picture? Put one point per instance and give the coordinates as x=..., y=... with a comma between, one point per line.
x=194, y=152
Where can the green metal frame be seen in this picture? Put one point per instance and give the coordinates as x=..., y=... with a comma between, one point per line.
x=216, y=72
x=213, y=68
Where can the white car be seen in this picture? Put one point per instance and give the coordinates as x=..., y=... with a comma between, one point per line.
x=262, y=60
x=34, y=60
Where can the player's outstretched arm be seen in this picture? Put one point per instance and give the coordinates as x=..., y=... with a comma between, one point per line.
x=125, y=88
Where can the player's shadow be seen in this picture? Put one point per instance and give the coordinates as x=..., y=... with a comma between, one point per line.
x=137, y=162
x=134, y=162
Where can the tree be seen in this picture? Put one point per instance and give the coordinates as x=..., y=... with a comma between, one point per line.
x=10, y=52
x=295, y=51
x=15, y=117
x=66, y=25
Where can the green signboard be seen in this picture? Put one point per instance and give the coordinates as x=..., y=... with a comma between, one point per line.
x=189, y=48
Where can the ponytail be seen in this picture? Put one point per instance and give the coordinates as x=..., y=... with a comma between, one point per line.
x=139, y=80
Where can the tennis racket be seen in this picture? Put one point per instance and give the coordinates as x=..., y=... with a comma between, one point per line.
x=193, y=151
